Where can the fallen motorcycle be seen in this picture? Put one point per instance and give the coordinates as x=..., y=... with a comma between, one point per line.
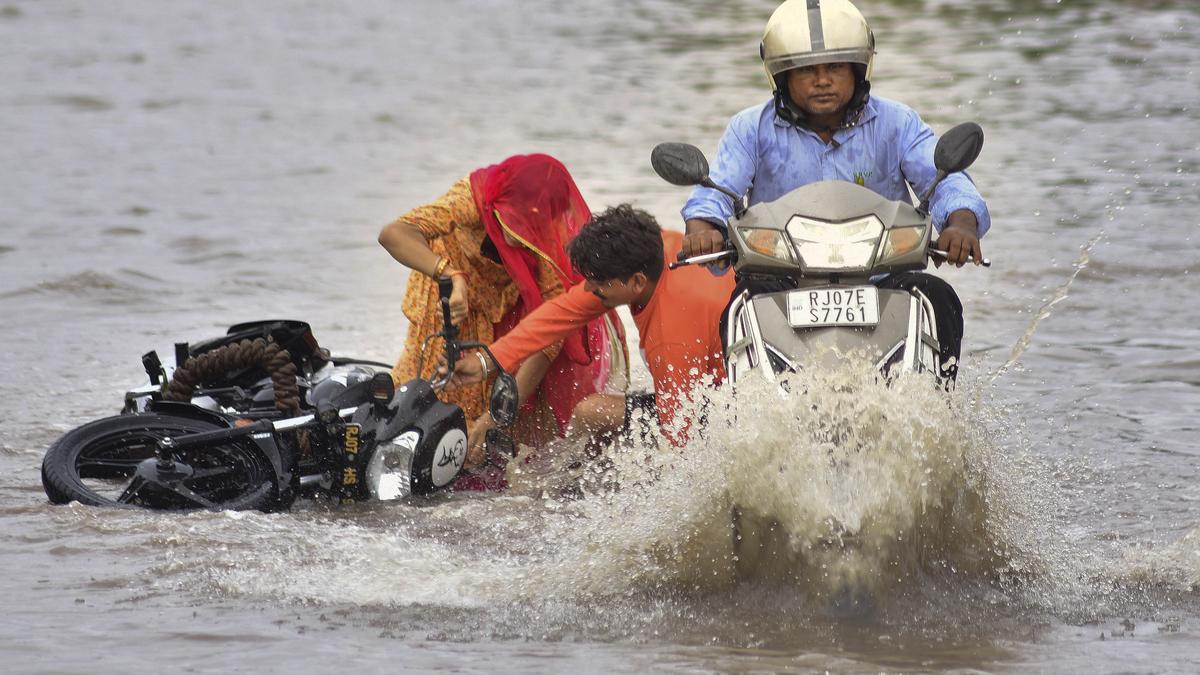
x=263, y=415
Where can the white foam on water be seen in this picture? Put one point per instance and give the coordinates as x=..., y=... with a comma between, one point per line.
x=1175, y=565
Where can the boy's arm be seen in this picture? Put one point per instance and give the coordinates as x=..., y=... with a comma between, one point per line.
x=554, y=320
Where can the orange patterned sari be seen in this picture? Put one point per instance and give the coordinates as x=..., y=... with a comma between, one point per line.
x=532, y=199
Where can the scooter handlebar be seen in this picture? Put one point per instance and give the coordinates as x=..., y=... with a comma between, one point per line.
x=943, y=255
x=705, y=259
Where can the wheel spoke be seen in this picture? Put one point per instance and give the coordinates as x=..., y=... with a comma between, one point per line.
x=131, y=491
x=211, y=472
x=204, y=502
x=251, y=497
x=192, y=496
x=108, y=463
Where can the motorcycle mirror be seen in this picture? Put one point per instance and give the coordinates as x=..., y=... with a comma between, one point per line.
x=500, y=442
x=958, y=148
x=503, y=404
x=679, y=163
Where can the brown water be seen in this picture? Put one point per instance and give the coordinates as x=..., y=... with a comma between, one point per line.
x=171, y=168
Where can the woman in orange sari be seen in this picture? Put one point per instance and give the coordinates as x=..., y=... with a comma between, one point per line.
x=500, y=235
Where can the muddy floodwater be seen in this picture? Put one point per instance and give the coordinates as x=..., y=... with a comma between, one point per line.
x=171, y=168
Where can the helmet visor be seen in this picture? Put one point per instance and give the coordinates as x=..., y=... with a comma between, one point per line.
x=788, y=62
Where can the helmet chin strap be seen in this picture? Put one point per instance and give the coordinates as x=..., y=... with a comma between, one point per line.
x=789, y=112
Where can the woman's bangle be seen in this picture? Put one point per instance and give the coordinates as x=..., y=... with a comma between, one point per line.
x=482, y=364
x=441, y=267
x=457, y=273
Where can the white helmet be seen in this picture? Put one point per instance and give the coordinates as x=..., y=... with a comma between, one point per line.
x=809, y=32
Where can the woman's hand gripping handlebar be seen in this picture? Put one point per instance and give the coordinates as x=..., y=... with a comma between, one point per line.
x=453, y=347
x=474, y=367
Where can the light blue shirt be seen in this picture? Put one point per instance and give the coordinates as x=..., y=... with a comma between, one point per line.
x=889, y=147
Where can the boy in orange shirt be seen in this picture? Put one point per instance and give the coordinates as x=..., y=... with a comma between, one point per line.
x=623, y=256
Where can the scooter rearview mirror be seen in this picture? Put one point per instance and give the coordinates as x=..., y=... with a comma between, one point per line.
x=958, y=148
x=955, y=151
x=503, y=404
x=679, y=163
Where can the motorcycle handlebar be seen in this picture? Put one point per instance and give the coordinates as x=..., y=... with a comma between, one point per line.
x=449, y=330
x=454, y=348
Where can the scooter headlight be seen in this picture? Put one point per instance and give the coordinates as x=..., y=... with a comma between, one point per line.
x=835, y=246
x=389, y=475
x=771, y=243
x=900, y=241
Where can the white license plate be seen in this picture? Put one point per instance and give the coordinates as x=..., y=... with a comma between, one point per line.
x=849, y=306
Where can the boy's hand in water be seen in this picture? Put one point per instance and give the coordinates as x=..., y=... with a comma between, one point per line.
x=476, y=435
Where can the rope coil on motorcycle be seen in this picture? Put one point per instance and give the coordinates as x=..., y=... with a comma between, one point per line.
x=245, y=354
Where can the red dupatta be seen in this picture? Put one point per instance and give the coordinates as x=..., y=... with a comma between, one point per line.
x=533, y=199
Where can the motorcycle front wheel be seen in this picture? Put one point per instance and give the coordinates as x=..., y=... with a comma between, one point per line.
x=111, y=462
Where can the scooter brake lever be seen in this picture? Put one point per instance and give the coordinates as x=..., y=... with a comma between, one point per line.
x=944, y=255
x=701, y=259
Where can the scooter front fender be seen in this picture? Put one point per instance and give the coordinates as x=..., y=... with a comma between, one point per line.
x=761, y=337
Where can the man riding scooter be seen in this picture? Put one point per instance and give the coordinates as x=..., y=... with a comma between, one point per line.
x=822, y=123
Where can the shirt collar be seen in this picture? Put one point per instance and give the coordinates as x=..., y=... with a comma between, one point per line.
x=869, y=113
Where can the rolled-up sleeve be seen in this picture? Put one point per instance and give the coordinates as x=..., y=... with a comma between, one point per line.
x=956, y=192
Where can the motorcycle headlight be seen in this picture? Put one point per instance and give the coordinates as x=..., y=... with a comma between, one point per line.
x=771, y=243
x=833, y=246
x=389, y=475
x=900, y=241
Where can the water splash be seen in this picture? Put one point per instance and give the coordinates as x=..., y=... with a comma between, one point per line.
x=1060, y=294
x=845, y=489
x=1176, y=565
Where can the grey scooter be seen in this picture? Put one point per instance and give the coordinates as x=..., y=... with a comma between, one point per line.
x=818, y=248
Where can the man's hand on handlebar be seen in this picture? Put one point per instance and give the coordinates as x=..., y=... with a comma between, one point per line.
x=702, y=238
x=960, y=239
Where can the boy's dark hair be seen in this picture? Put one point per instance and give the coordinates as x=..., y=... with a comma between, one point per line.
x=616, y=244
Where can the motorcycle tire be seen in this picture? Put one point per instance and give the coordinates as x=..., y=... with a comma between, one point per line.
x=97, y=464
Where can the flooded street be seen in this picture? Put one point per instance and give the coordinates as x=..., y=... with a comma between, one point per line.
x=170, y=169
